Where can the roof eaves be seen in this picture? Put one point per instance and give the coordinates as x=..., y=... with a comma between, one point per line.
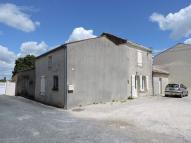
x=138, y=45
x=52, y=50
x=115, y=39
x=171, y=48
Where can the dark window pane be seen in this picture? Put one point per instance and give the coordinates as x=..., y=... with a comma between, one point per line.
x=55, y=83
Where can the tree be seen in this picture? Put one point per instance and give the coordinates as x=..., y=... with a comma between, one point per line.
x=3, y=80
x=24, y=63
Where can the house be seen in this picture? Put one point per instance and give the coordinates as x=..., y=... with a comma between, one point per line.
x=94, y=70
x=25, y=83
x=177, y=61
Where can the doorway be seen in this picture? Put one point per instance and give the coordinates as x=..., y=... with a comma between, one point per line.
x=160, y=86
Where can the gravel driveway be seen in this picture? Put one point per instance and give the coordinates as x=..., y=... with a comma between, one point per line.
x=144, y=120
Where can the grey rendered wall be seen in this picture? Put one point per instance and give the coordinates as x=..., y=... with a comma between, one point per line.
x=156, y=83
x=98, y=69
x=55, y=98
x=177, y=61
x=145, y=70
x=25, y=84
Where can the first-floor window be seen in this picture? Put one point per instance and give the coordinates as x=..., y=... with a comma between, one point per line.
x=139, y=58
x=55, y=82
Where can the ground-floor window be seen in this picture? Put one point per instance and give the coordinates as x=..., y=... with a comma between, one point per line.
x=144, y=83
x=55, y=83
x=141, y=83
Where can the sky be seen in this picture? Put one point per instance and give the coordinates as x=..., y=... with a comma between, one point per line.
x=36, y=26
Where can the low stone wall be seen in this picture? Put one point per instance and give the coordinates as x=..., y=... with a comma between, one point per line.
x=7, y=88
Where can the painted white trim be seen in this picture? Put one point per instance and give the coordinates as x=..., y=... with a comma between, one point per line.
x=147, y=82
x=141, y=82
x=42, y=85
x=133, y=89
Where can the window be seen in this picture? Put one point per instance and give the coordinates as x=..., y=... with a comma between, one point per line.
x=143, y=83
x=55, y=83
x=184, y=87
x=139, y=58
x=49, y=62
x=173, y=85
x=136, y=82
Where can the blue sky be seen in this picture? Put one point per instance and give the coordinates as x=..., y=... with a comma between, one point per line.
x=51, y=23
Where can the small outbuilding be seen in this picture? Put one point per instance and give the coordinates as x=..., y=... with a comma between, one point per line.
x=160, y=80
x=25, y=83
x=177, y=61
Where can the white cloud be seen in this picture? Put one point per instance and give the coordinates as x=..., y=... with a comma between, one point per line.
x=80, y=33
x=32, y=48
x=178, y=23
x=187, y=41
x=15, y=17
x=7, y=57
x=7, y=61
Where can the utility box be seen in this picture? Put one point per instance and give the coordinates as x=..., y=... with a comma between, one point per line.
x=70, y=88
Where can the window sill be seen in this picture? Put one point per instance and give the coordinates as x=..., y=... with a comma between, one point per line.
x=55, y=89
x=143, y=91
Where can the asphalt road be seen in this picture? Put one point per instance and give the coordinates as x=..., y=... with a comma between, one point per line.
x=144, y=120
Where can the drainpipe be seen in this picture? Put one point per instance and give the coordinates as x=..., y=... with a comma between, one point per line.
x=65, y=77
x=153, y=84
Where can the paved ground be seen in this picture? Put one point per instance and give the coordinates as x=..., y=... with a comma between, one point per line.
x=144, y=120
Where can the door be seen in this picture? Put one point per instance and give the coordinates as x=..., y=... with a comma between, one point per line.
x=133, y=86
x=160, y=86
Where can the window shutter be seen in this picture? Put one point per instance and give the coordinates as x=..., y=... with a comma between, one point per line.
x=141, y=83
x=139, y=58
x=133, y=80
x=133, y=86
x=147, y=82
x=42, y=85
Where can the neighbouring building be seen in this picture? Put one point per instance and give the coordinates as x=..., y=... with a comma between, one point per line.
x=25, y=83
x=7, y=88
x=94, y=70
x=177, y=61
x=160, y=80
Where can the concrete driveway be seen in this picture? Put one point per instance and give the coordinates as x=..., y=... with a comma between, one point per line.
x=144, y=120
